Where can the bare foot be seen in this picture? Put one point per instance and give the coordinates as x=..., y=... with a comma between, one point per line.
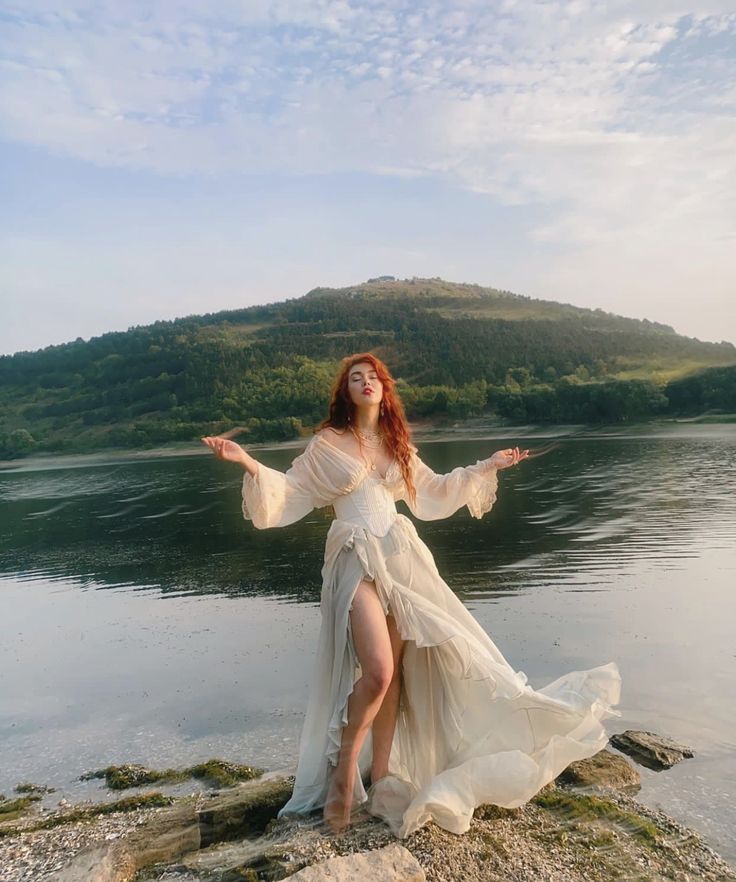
x=337, y=805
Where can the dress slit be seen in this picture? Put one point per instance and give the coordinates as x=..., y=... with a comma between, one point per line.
x=470, y=729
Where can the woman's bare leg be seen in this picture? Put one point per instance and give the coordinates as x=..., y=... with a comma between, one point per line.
x=384, y=723
x=373, y=648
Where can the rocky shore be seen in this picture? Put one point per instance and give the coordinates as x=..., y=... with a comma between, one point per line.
x=584, y=827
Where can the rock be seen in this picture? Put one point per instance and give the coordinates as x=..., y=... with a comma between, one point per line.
x=651, y=750
x=245, y=810
x=170, y=834
x=390, y=864
x=101, y=863
x=165, y=836
x=604, y=769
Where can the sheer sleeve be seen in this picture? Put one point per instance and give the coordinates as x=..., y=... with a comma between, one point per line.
x=276, y=499
x=439, y=496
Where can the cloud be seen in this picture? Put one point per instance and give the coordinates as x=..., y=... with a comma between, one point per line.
x=618, y=118
x=320, y=87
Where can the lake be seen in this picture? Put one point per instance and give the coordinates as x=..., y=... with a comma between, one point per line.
x=143, y=620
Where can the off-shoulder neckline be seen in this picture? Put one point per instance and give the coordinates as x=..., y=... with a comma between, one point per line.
x=355, y=460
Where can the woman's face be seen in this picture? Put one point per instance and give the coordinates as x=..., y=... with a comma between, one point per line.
x=364, y=386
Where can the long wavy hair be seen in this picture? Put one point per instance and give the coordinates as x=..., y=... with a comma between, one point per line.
x=392, y=422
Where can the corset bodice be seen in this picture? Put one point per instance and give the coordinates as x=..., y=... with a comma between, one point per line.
x=371, y=505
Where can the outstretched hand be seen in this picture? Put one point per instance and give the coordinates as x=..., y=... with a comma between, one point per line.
x=512, y=456
x=224, y=449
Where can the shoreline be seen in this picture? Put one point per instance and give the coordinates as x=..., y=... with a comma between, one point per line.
x=476, y=429
x=577, y=831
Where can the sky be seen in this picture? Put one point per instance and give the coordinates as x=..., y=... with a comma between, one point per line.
x=177, y=158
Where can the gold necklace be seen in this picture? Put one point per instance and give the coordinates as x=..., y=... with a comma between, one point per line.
x=361, y=436
x=371, y=439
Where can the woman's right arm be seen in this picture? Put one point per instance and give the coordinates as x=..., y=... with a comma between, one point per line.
x=272, y=498
x=232, y=452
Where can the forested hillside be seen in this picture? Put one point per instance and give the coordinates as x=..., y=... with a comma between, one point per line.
x=457, y=351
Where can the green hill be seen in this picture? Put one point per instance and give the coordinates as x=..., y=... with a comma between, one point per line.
x=457, y=350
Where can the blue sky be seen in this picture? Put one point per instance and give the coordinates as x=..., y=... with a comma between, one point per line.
x=165, y=159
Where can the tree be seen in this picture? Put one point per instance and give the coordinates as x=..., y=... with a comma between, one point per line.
x=18, y=443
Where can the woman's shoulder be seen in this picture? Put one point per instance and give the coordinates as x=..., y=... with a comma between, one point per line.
x=332, y=436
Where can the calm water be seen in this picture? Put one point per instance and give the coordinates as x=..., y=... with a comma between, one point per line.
x=142, y=620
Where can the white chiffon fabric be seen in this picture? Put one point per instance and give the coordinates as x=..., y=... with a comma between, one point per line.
x=470, y=729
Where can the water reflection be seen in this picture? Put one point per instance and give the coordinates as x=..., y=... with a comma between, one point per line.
x=605, y=548
x=600, y=504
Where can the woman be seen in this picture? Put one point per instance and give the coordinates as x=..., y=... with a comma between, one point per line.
x=437, y=716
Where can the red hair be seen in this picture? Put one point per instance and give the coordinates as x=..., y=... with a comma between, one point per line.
x=393, y=422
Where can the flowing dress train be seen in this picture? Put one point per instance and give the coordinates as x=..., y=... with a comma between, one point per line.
x=470, y=729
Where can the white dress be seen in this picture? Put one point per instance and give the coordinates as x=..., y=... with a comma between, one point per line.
x=470, y=729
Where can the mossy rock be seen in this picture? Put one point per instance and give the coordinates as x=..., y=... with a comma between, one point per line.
x=244, y=811
x=215, y=772
x=130, y=775
x=585, y=808
x=261, y=869
x=11, y=809
x=223, y=773
x=603, y=769
x=128, y=804
x=27, y=787
x=490, y=812
x=241, y=874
